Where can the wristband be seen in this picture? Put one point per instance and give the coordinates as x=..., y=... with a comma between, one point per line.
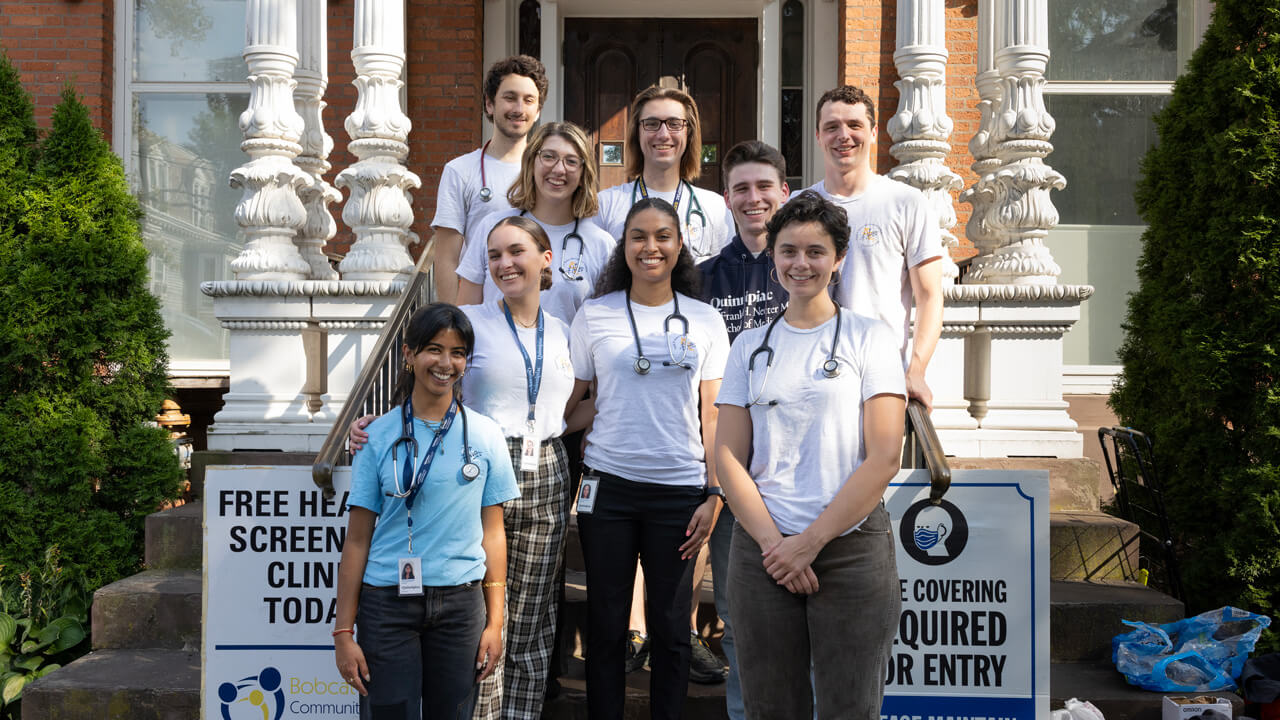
x=339, y=631
x=495, y=583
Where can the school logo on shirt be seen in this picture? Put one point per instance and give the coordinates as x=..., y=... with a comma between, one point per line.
x=933, y=534
x=869, y=234
x=682, y=349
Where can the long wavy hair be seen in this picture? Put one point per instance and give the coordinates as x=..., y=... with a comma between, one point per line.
x=633, y=157
x=425, y=324
x=523, y=194
x=617, y=275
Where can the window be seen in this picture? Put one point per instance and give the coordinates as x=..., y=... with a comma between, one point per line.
x=180, y=90
x=791, y=103
x=531, y=28
x=1111, y=69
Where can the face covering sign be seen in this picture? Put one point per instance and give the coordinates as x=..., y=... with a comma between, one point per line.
x=272, y=547
x=973, y=636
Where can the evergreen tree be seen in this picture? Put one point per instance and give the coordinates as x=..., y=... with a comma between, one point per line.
x=82, y=364
x=1200, y=355
x=17, y=142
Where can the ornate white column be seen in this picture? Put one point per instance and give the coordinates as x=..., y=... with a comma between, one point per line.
x=1023, y=212
x=269, y=212
x=981, y=195
x=920, y=128
x=378, y=209
x=308, y=98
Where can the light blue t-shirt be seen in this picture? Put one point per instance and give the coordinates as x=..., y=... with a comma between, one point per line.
x=446, y=512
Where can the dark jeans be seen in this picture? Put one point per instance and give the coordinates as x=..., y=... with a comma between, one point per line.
x=845, y=630
x=421, y=651
x=647, y=520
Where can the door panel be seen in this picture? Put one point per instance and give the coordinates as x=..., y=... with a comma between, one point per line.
x=607, y=61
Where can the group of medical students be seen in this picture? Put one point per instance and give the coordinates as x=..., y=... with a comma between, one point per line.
x=627, y=354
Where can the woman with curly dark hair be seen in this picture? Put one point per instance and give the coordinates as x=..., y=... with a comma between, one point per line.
x=649, y=488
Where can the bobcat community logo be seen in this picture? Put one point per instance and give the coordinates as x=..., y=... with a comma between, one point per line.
x=256, y=697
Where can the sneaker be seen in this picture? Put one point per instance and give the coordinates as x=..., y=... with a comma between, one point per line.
x=704, y=667
x=637, y=651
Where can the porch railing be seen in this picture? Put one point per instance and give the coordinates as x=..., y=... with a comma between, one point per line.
x=372, y=392
x=923, y=450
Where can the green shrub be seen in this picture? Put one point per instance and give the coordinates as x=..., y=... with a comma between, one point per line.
x=82, y=364
x=44, y=624
x=1202, y=331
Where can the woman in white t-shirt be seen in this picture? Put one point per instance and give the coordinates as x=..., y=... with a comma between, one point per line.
x=520, y=374
x=556, y=189
x=655, y=354
x=810, y=433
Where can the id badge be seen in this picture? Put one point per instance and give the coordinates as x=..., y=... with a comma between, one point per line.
x=410, y=576
x=529, y=447
x=587, y=494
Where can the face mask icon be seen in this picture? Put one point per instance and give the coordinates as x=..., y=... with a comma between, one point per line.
x=932, y=527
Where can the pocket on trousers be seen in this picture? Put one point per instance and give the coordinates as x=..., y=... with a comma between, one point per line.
x=877, y=522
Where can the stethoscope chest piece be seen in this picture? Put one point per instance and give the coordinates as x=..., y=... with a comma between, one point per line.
x=641, y=366
x=470, y=471
x=486, y=194
x=831, y=368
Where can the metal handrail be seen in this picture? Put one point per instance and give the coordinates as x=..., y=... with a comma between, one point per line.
x=922, y=449
x=372, y=392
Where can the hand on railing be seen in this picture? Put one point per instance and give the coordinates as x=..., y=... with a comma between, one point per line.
x=356, y=436
x=923, y=449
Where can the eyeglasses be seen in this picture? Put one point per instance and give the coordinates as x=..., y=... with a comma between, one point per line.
x=674, y=124
x=549, y=160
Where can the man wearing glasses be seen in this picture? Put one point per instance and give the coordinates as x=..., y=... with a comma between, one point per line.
x=663, y=156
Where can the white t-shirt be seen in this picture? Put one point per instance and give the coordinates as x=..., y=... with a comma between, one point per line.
x=458, y=203
x=703, y=239
x=495, y=380
x=806, y=447
x=565, y=296
x=647, y=427
x=892, y=229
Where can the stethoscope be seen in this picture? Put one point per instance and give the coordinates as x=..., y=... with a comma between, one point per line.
x=570, y=269
x=485, y=193
x=830, y=368
x=693, y=209
x=642, y=364
x=470, y=470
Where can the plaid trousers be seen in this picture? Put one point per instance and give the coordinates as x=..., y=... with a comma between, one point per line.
x=535, y=527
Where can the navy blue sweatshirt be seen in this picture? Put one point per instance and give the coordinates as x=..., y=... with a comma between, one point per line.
x=741, y=287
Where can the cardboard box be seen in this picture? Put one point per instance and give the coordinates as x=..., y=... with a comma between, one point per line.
x=1200, y=707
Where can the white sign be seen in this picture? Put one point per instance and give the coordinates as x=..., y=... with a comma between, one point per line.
x=272, y=547
x=973, y=637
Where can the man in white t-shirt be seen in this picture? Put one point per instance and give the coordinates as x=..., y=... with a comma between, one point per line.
x=895, y=243
x=475, y=184
x=663, y=156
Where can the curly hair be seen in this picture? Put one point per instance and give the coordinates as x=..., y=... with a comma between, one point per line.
x=617, y=275
x=523, y=194
x=810, y=207
x=851, y=95
x=530, y=67
x=691, y=161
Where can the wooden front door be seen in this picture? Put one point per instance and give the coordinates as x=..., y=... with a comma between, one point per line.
x=607, y=61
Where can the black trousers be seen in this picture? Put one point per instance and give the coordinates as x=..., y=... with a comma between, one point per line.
x=648, y=520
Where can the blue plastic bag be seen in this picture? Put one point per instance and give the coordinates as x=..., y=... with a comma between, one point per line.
x=1196, y=654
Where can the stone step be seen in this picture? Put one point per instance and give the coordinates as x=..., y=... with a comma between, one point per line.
x=1084, y=616
x=111, y=684
x=174, y=538
x=1092, y=546
x=153, y=609
x=1106, y=688
x=1073, y=482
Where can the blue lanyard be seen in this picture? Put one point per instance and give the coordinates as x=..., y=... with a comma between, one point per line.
x=675, y=200
x=532, y=374
x=421, y=476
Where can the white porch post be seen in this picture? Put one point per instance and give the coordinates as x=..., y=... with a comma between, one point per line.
x=269, y=212
x=308, y=98
x=920, y=128
x=981, y=195
x=1023, y=212
x=378, y=209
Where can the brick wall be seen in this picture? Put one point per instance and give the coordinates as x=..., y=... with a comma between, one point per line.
x=52, y=42
x=443, y=77
x=868, y=35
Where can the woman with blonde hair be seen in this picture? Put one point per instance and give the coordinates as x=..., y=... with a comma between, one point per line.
x=557, y=190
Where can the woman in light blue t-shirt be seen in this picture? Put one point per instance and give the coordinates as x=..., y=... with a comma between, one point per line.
x=426, y=496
